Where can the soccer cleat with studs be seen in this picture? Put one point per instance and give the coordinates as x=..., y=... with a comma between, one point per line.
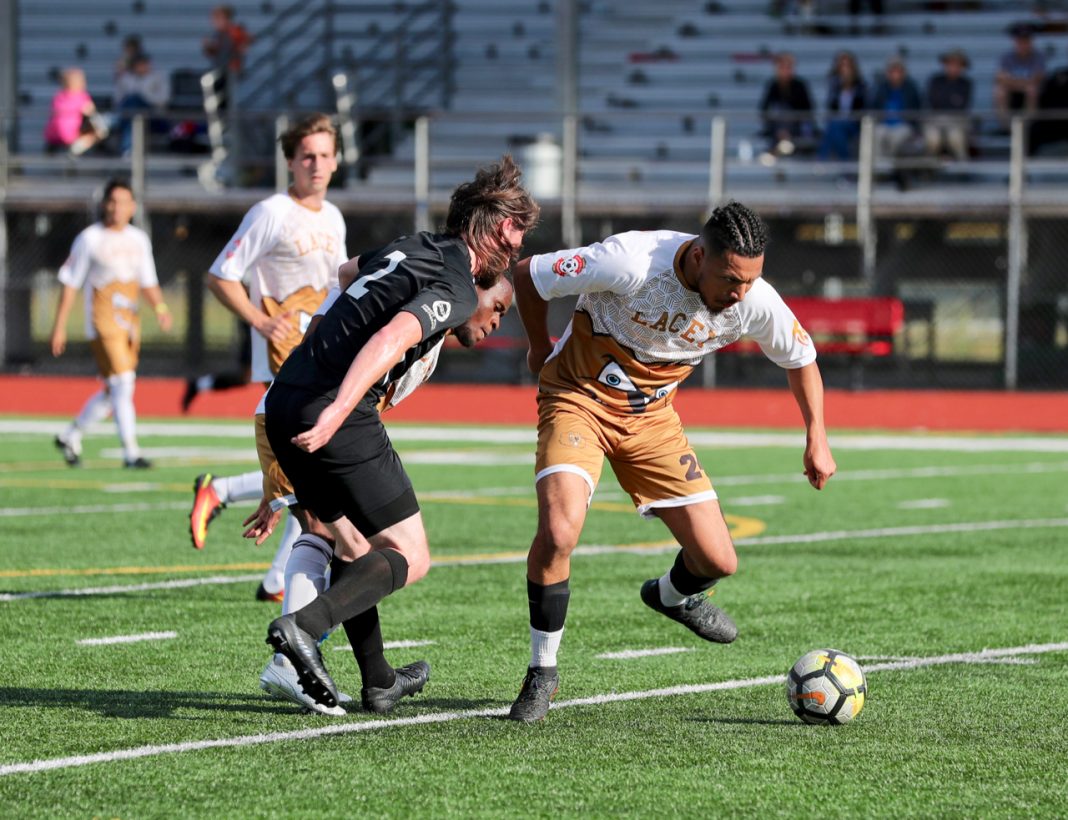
x=139, y=463
x=539, y=688
x=302, y=650
x=263, y=595
x=71, y=454
x=696, y=613
x=206, y=507
x=410, y=681
x=279, y=679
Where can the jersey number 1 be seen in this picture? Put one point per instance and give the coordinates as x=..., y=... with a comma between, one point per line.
x=359, y=287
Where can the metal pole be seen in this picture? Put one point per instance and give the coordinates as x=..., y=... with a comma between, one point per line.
x=1017, y=252
x=567, y=64
x=571, y=229
x=137, y=170
x=717, y=169
x=281, y=166
x=865, y=182
x=422, y=174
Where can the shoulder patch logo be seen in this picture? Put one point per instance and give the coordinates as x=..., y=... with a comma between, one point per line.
x=437, y=312
x=569, y=266
x=800, y=334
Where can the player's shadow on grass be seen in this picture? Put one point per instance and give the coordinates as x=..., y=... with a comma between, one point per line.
x=746, y=721
x=124, y=703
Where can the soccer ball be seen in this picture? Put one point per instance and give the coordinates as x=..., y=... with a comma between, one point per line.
x=826, y=687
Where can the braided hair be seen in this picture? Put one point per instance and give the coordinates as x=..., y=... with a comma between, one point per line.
x=477, y=209
x=734, y=228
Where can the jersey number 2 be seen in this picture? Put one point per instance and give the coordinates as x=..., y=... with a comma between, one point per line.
x=359, y=287
x=693, y=469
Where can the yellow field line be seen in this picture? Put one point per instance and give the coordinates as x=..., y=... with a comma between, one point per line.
x=740, y=527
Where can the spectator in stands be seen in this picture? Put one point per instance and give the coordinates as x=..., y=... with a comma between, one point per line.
x=787, y=110
x=131, y=47
x=74, y=124
x=847, y=97
x=946, y=127
x=897, y=98
x=226, y=47
x=1049, y=137
x=141, y=88
x=1019, y=76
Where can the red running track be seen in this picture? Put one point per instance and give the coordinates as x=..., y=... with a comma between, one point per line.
x=490, y=404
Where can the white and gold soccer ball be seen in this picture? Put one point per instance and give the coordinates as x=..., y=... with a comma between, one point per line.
x=827, y=687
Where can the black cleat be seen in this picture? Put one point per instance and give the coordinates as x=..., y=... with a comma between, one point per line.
x=303, y=652
x=263, y=595
x=139, y=463
x=72, y=456
x=189, y=394
x=410, y=681
x=696, y=613
x=539, y=688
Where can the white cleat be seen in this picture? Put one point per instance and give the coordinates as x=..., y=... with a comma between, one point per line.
x=279, y=679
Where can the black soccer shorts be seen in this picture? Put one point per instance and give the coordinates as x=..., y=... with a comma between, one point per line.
x=357, y=474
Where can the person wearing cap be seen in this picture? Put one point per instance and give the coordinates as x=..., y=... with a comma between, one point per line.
x=1019, y=76
x=949, y=98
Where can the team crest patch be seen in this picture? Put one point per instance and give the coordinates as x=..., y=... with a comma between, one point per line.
x=800, y=334
x=571, y=439
x=571, y=266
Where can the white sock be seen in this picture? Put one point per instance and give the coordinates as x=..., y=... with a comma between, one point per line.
x=305, y=572
x=669, y=596
x=274, y=580
x=122, y=406
x=544, y=646
x=244, y=487
x=205, y=383
x=96, y=408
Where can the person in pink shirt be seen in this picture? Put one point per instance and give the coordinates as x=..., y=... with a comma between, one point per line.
x=74, y=124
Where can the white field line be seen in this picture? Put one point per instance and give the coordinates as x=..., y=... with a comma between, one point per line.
x=183, y=583
x=144, y=636
x=34, y=766
x=390, y=645
x=90, y=509
x=593, y=550
x=923, y=504
x=628, y=654
x=527, y=435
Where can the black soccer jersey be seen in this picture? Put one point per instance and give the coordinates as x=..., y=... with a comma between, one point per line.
x=427, y=275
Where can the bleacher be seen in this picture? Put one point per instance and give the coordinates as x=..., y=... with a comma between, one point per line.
x=651, y=78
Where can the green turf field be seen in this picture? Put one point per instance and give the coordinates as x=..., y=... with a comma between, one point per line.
x=941, y=562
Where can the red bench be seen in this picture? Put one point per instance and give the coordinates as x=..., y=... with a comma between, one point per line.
x=861, y=328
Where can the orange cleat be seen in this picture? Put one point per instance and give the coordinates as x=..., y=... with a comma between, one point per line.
x=263, y=595
x=206, y=506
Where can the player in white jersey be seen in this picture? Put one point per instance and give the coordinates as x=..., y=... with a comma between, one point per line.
x=112, y=261
x=651, y=306
x=287, y=249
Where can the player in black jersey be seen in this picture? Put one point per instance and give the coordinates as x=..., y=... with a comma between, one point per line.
x=396, y=303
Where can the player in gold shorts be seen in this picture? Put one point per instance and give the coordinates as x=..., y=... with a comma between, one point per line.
x=111, y=261
x=652, y=305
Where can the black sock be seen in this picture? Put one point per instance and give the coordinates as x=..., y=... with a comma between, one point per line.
x=548, y=605
x=363, y=583
x=365, y=638
x=685, y=581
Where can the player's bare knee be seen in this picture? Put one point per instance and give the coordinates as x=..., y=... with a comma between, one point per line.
x=717, y=563
x=556, y=538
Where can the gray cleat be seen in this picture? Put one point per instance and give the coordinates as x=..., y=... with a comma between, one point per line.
x=539, y=688
x=696, y=613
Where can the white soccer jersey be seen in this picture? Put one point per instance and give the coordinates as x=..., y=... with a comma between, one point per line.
x=112, y=266
x=288, y=255
x=638, y=331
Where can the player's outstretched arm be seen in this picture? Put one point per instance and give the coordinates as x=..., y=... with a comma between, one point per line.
x=382, y=351
x=806, y=383
x=58, y=342
x=534, y=313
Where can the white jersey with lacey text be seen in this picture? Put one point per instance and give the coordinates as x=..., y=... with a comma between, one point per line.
x=638, y=331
